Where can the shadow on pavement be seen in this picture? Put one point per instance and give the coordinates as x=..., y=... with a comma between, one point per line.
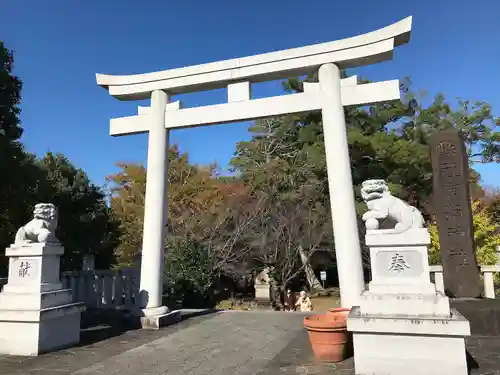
x=99, y=325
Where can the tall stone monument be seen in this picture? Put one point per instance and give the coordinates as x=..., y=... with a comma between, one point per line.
x=37, y=314
x=452, y=207
x=403, y=325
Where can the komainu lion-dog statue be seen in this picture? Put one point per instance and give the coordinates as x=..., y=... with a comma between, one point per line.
x=41, y=229
x=382, y=205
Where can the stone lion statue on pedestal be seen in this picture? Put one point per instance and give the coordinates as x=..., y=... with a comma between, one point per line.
x=383, y=205
x=41, y=229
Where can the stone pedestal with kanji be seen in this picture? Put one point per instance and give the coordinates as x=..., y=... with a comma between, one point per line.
x=37, y=314
x=403, y=325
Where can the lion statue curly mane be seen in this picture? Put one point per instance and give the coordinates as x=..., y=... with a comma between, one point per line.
x=41, y=229
x=382, y=205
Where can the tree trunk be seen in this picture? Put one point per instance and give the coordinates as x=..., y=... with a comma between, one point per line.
x=312, y=280
x=274, y=293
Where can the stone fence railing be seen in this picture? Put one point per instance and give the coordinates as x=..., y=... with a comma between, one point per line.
x=101, y=289
x=118, y=289
x=487, y=271
x=104, y=289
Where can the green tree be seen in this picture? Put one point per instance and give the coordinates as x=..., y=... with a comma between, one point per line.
x=10, y=97
x=21, y=179
x=388, y=141
x=486, y=237
x=189, y=275
x=190, y=190
x=86, y=223
x=211, y=212
x=293, y=218
x=128, y=188
x=474, y=120
x=492, y=202
x=20, y=176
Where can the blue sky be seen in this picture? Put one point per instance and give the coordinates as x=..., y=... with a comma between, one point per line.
x=60, y=44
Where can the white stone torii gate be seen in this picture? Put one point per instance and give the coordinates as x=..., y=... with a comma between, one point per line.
x=330, y=95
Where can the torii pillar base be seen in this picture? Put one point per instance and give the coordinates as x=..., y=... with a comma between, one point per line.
x=157, y=318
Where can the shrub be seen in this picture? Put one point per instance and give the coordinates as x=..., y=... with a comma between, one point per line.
x=486, y=237
x=189, y=278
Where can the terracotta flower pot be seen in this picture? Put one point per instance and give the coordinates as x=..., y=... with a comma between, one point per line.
x=341, y=312
x=328, y=337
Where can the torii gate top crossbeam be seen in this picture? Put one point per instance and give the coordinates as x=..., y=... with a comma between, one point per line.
x=351, y=52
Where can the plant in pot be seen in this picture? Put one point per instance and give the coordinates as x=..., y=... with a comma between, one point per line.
x=328, y=335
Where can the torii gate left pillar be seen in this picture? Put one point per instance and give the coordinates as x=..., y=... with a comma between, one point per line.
x=340, y=186
x=155, y=211
x=329, y=96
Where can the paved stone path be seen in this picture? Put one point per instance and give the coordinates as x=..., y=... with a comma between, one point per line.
x=232, y=343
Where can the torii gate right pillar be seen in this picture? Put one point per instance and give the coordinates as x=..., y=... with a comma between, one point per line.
x=345, y=225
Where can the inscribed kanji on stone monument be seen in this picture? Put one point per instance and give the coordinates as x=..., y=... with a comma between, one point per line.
x=453, y=211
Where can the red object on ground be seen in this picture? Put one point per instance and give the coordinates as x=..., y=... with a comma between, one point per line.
x=328, y=336
x=342, y=312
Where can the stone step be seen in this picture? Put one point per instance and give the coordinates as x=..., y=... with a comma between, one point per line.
x=35, y=301
x=454, y=325
x=398, y=288
x=432, y=304
x=22, y=315
x=33, y=332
